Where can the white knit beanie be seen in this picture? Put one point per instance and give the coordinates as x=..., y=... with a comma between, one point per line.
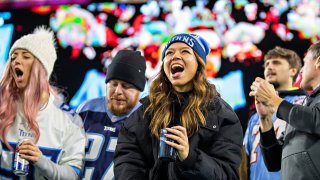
x=41, y=44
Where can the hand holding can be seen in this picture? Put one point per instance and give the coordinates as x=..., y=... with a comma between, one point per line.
x=29, y=151
x=20, y=165
x=166, y=152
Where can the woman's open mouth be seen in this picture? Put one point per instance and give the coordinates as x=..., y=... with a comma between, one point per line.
x=19, y=73
x=176, y=70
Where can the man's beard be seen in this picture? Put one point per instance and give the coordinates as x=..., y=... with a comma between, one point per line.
x=123, y=110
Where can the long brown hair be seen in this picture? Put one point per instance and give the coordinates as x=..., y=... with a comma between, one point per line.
x=194, y=113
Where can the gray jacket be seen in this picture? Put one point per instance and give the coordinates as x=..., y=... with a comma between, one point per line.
x=297, y=153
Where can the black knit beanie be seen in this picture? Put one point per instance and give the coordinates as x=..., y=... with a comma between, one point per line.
x=128, y=66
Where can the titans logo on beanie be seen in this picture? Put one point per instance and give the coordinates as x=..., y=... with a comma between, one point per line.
x=128, y=66
x=41, y=44
x=197, y=43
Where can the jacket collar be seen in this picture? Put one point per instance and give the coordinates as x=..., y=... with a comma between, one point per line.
x=292, y=92
x=315, y=92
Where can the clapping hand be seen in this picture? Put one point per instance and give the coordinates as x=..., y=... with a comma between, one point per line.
x=266, y=100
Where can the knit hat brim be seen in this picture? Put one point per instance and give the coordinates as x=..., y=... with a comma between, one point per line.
x=197, y=43
x=130, y=75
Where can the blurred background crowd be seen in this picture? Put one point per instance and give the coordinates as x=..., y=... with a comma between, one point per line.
x=90, y=32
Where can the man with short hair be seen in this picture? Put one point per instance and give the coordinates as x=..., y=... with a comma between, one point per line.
x=104, y=116
x=281, y=69
x=297, y=153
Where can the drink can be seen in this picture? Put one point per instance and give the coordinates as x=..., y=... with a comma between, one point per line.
x=20, y=166
x=166, y=152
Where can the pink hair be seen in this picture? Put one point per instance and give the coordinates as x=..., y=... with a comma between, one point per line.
x=30, y=99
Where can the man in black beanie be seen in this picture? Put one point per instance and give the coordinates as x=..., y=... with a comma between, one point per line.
x=104, y=116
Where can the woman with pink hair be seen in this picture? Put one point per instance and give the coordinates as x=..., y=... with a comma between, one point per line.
x=53, y=145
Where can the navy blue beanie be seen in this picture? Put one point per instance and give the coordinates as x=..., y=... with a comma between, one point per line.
x=128, y=66
x=197, y=43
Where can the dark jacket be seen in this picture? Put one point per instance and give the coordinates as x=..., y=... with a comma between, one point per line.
x=298, y=152
x=255, y=165
x=214, y=151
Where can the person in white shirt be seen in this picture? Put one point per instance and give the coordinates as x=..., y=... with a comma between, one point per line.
x=56, y=146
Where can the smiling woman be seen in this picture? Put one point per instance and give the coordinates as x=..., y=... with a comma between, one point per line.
x=180, y=66
x=28, y=111
x=201, y=127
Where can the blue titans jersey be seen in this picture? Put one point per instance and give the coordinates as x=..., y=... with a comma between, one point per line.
x=102, y=135
x=258, y=169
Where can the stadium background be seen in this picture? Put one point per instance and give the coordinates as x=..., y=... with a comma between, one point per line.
x=90, y=32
